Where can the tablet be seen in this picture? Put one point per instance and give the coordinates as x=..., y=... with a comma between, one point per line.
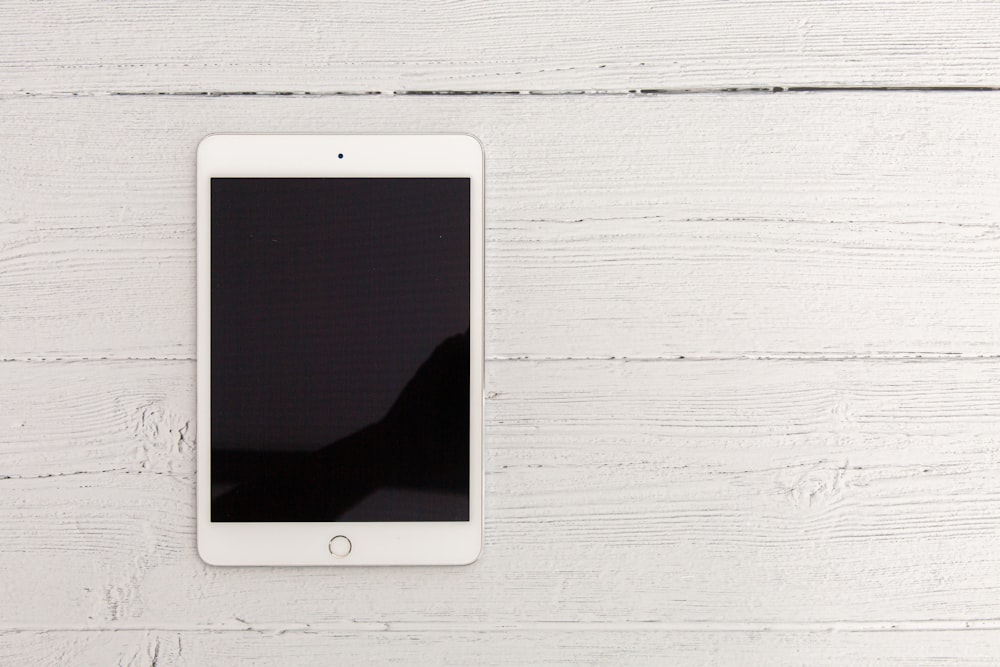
x=340, y=349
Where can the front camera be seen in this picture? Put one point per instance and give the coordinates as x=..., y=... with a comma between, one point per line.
x=340, y=155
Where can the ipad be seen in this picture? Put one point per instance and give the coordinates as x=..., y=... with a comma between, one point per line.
x=340, y=349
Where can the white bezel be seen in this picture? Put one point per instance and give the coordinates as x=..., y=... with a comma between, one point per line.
x=315, y=155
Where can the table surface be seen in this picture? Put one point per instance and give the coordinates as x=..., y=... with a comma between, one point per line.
x=743, y=328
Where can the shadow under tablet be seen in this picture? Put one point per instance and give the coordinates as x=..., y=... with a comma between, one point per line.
x=421, y=445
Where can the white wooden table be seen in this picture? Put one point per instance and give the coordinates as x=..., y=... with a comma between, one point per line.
x=743, y=328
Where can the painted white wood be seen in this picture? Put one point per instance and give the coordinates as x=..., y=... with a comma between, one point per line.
x=515, y=646
x=814, y=483
x=615, y=45
x=712, y=225
x=618, y=492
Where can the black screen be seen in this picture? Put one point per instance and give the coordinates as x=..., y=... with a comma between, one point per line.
x=340, y=349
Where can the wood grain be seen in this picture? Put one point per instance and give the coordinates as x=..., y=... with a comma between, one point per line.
x=382, y=47
x=538, y=646
x=824, y=225
x=671, y=492
x=743, y=324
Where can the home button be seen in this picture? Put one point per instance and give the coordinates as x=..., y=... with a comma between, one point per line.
x=340, y=546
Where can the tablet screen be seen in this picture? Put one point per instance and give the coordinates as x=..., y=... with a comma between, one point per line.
x=340, y=349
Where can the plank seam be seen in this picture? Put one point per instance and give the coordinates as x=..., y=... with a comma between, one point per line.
x=791, y=356
x=635, y=92
x=933, y=625
x=804, y=356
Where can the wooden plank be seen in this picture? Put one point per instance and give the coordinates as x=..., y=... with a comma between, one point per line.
x=139, y=416
x=497, y=646
x=617, y=492
x=654, y=287
x=84, y=417
x=559, y=46
x=812, y=225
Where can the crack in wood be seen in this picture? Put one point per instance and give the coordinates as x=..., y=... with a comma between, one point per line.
x=634, y=92
x=638, y=626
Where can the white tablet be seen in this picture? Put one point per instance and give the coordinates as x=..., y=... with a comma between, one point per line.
x=340, y=349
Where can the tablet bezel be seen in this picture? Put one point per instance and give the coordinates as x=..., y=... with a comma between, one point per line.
x=316, y=156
